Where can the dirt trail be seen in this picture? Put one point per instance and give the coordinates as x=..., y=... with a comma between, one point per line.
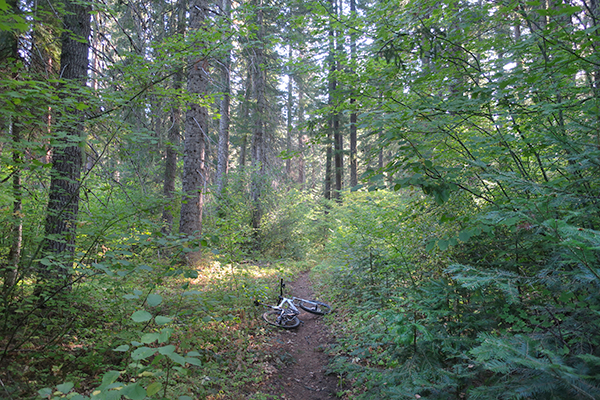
x=298, y=368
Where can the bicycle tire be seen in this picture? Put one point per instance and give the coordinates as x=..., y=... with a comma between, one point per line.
x=314, y=307
x=271, y=317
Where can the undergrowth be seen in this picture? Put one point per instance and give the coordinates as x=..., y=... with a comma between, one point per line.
x=156, y=332
x=466, y=323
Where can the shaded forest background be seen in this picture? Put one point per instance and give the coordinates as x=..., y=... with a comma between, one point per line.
x=435, y=163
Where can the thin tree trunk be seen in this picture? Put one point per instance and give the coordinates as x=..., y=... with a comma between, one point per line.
x=171, y=159
x=9, y=48
x=353, y=115
x=337, y=134
x=245, y=118
x=63, y=203
x=16, y=240
x=258, y=136
x=290, y=96
x=223, y=146
x=196, y=125
x=331, y=103
x=301, y=141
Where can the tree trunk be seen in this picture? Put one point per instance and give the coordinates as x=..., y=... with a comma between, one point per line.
x=171, y=159
x=63, y=203
x=245, y=118
x=332, y=83
x=337, y=134
x=173, y=136
x=9, y=53
x=196, y=125
x=223, y=146
x=290, y=96
x=301, y=141
x=353, y=116
x=259, y=156
x=16, y=240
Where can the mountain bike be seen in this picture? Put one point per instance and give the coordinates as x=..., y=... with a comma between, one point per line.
x=285, y=315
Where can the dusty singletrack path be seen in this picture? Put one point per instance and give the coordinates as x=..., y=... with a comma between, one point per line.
x=298, y=368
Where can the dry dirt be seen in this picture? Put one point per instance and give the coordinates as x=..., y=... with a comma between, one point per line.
x=298, y=370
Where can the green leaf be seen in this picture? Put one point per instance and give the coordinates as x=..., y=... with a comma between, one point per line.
x=430, y=245
x=184, y=397
x=166, y=350
x=148, y=338
x=134, y=391
x=154, y=299
x=81, y=106
x=193, y=361
x=464, y=236
x=153, y=388
x=45, y=261
x=161, y=320
x=109, y=377
x=45, y=392
x=123, y=347
x=65, y=387
x=165, y=334
x=443, y=244
x=141, y=316
x=178, y=358
x=141, y=353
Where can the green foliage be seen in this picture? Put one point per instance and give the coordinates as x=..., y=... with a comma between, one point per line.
x=493, y=127
x=141, y=329
x=287, y=230
x=292, y=222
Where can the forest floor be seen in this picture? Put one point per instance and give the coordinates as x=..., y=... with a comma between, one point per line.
x=298, y=370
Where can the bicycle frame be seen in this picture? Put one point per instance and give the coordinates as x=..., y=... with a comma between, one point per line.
x=291, y=305
x=285, y=314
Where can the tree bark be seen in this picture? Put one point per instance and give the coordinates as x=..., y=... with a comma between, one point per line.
x=259, y=156
x=332, y=85
x=301, y=140
x=9, y=53
x=245, y=118
x=16, y=240
x=196, y=125
x=63, y=203
x=337, y=134
x=223, y=145
x=353, y=115
x=289, y=128
x=173, y=136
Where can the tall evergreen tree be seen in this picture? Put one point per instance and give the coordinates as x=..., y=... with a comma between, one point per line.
x=174, y=132
x=63, y=203
x=196, y=126
x=224, y=121
x=259, y=140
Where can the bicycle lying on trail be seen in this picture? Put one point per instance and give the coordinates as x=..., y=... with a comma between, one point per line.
x=285, y=315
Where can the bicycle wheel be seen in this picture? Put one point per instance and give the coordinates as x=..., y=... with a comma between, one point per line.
x=286, y=321
x=314, y=306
